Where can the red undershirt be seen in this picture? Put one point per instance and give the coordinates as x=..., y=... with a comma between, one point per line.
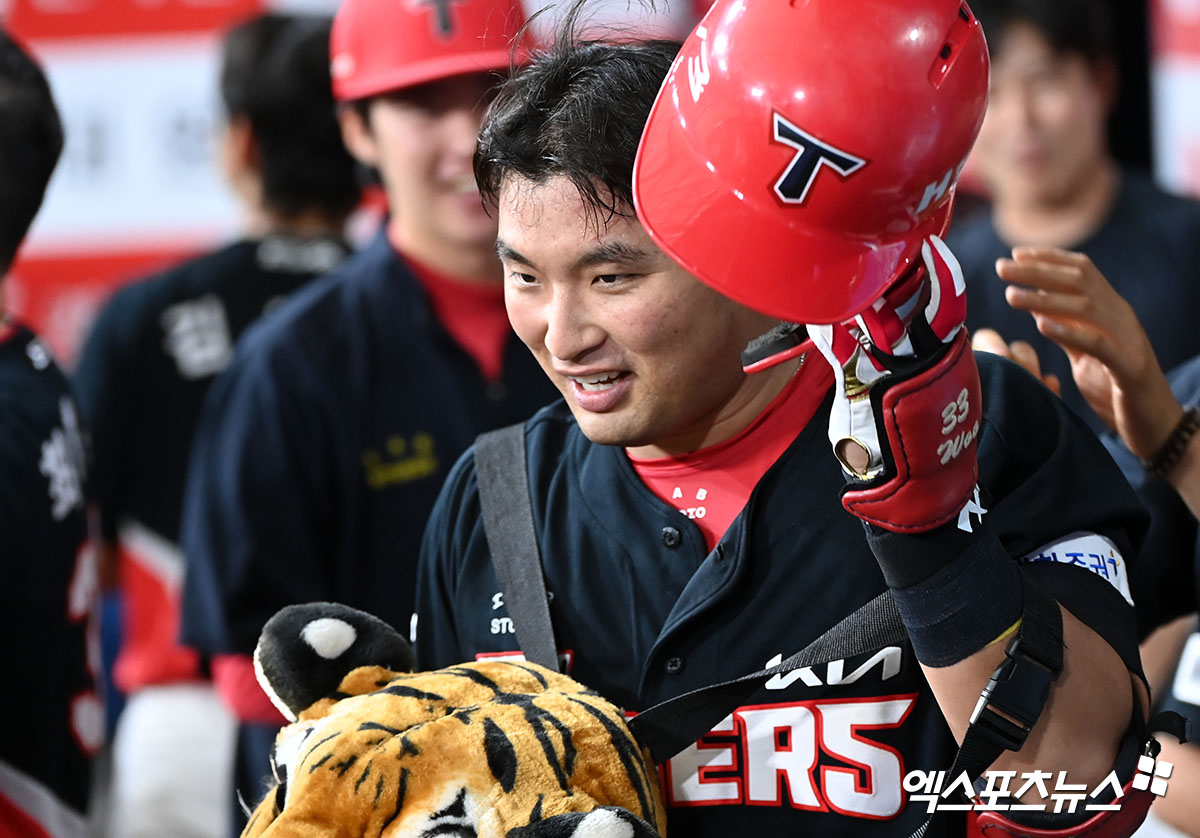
x=472, y=312
x=711, y=485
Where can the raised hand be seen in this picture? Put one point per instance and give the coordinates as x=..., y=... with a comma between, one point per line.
x=1111, y=358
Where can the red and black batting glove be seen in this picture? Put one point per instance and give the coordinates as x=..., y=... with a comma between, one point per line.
x=907, y=411
x=905, y=425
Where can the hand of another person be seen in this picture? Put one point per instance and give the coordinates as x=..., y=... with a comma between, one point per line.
x=1111, y=358
x=1020, y=352
x=906, y=416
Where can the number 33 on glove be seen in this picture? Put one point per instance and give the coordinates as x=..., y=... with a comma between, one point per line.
x=907, y=409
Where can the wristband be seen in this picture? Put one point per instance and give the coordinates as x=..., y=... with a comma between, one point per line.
x=1171, y=451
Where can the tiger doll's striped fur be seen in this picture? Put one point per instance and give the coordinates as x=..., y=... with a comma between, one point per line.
x=490, y=749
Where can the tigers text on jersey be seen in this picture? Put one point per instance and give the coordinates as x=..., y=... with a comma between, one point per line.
x=142, y=378
x=54, y=720
x=644, y=611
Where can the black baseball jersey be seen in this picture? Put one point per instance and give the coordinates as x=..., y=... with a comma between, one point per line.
x=644, y=612
x=141, y=380
x=1148, y=248
x=322, y=449
x=53, y=718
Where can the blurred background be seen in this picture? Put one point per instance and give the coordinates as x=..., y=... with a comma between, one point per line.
x=137, y=188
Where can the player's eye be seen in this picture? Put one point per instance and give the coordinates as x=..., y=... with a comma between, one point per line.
x=611, y=279
x=518, y=278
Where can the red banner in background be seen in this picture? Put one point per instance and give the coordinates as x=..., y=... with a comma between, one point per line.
x=36, y=19
x=1175, y=28
x=1175, y=71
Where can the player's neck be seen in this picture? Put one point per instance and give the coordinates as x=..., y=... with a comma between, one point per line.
x=471, y=264
x=1064, y=223
x=727, y=421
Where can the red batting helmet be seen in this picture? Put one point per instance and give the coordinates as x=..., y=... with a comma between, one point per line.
x=801, y=150
x=382, y=45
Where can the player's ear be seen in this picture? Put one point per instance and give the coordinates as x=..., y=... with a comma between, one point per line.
x=356, y=133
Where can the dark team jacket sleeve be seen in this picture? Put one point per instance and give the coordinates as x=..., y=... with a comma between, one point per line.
x=106, y=382
x=256, y=525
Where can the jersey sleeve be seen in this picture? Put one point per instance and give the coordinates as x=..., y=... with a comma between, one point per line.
x=1062, y=508
x=455, y=521
x=105, y=382
x=257, y=526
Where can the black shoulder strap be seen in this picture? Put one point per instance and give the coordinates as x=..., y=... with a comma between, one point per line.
x=508, y=523
x=1018, y=688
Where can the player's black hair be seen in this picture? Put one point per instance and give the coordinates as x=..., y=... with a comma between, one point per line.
x=1083, y=27
x=275, y=73
x=577, y=110
x=31, y=140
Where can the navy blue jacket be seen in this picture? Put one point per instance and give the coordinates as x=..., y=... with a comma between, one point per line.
x=322, y=448
x=53, y=718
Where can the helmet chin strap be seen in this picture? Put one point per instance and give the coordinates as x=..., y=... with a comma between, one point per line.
x=783, y=342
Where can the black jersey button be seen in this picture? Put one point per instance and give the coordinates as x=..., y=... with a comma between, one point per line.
x=673, y=666
x=671, y=537
x=496, y=391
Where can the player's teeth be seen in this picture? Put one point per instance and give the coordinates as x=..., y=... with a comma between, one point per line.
x=597, y=382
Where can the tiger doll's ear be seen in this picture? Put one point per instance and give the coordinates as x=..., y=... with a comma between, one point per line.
x=605, y=822
x=306, y=650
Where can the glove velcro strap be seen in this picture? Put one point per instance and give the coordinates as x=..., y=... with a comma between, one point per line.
x=931, y=421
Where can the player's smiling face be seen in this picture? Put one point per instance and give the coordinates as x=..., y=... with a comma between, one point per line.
x=421, y=140
x=646, y=356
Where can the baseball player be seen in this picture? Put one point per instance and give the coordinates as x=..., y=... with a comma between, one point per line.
x=323, y=446
x=801, y=160
x=54, y=719
x=142, y=377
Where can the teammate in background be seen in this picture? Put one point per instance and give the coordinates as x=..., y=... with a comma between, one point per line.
x=1115, y=368
x=323, y=446
x=660, y=419
x=54, y=720
x=142, y=377
x=1044, y=157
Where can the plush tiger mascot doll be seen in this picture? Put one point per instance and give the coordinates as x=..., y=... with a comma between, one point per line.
x=486, y=750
